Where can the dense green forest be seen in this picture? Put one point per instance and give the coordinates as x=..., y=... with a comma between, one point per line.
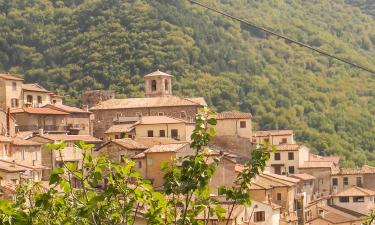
x=74, y=45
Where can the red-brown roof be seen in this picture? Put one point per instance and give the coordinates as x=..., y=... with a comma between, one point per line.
x=158, y=73
x=166, y=148
x=22, y=142
x=10, y=77
x=303, y=176
x=34, y=87
x=65, y=137
x=38, y=111
x=362, y=170
x=356, y=191
x=316, y=158
x=127, y=103
x=233, y=115
x=288, y=147
x=66, y=108
x=127, y=143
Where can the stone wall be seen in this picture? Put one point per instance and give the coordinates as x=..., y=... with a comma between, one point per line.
x=103, y=119
x=233, y=144
x=91, y=98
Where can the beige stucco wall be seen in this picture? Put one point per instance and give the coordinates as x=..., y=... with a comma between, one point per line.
x=275, y=140
x=360, y=207
x=322, y=183
x=141, y=130
x=82, y=120
x=114, y=152
x=46, y=98
x=27, y=154
x=224, y=175
x=7, y=93
x=153, y=162
x=12, y=177
x=24, y=119
x=352, y=181
x=272, y=216
x=226, y=127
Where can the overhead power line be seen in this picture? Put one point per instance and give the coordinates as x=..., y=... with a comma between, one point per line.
x=320, y=51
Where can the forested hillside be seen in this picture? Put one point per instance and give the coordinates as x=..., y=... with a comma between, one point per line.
x=76, y=45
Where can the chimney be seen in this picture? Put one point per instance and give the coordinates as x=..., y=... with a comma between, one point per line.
x=86, y=108
x=41, y=132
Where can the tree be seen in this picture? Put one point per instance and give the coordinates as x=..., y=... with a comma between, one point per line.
x=114, y=193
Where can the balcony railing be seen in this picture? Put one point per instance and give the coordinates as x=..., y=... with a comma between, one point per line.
x=45, y=128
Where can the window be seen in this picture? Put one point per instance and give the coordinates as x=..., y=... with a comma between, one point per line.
x=345, y=181
x=291, y=155
x=284, y=141
x=54, y=101
x=122, y=158
x=266, y=140
x=160, y=114
x=242, y=124
x=14, y=102
x=116, y=136
x=161, y=133
x=183, y=115
x=278, y=197
x=153, y=85
x=334, y=182
x=358, y=199
x=149, y=162
x=359, y=181
x=277, y=156
x=344, y=199
x=259, y=216
x=14, y=86
x=291, y=169
x=166, y=85
x=29, y=99
x=139, y=164
x=174, y=133
x=39, y=99
x=150, y=133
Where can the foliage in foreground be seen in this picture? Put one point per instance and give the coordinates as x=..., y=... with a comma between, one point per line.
x=113, y=193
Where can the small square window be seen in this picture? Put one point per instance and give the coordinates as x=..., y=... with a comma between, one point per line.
x=161, y=133
x=291, y=155
x=14, y=86
x=242, y=124
x=334, y=182
x=278, y=197
x=358, y=199
x=284, y=141
x=345, y=181
x=344, y=199
x=150, y=133
x=260, y=216
x=160, y=114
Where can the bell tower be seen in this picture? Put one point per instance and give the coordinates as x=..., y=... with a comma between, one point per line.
x=158, y=84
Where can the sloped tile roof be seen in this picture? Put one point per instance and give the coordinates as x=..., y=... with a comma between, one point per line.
x=316, y=158
x=166, y=148
x=127, y=103
x=362, y=170
x=267, y=133
x=34, y=87
x=65, y=137
x=233, y=115
x=66, y=108
x=152, y=141
x=119, y=128
x=22, y=142
x=10, y=77
x=303, y=176
x=9, y=166
x=129, y=143
x=38, y=111
x=318, y=164
x=356, y=191
x=158, y=73
x=336, y=216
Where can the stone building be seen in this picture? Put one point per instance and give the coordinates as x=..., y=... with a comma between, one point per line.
x=91, y=98
x=159, y=102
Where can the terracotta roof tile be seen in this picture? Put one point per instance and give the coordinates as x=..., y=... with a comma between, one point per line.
x=316, y=158
x=139, y=156
x=356, y=191
x=65, y=137
x=5, y=139
x=303, y=176
x=119, y=128
x=9, y=166
x=318, y=164
x=38, y=111
x=158, y=73
x=166, y=148
x=272, y=133
x=34, y=87
x=10, y=77
x=336, y=216
x=127, y=103
x=363, y=170
x=130, y=143
x=66, y=108
x=152, y=141
x=233, y=115
x=22, y=142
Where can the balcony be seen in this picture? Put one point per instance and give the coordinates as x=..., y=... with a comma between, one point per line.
x=58, y=128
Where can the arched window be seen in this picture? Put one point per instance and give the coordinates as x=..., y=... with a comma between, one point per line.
x=166, y=85
x=153, y=85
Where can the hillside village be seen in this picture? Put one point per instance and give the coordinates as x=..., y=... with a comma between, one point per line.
x=297, y=186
